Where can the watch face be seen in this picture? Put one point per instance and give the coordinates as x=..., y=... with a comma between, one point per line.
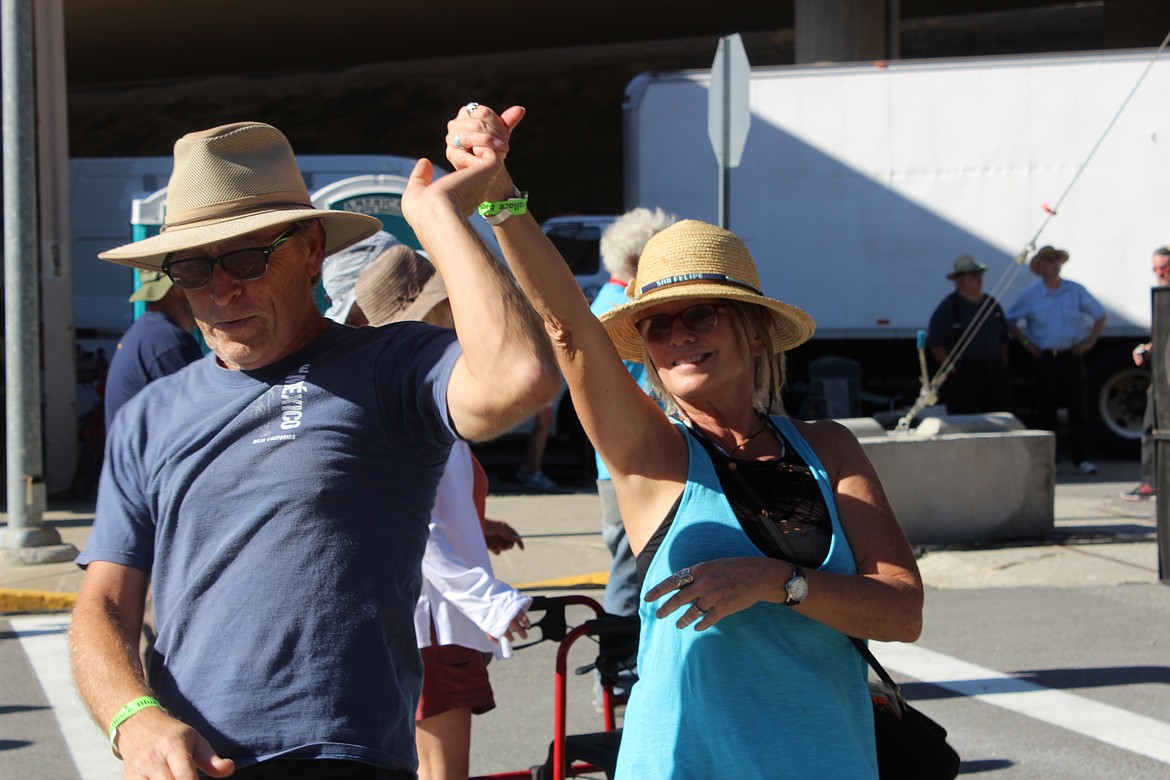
x=797, y=589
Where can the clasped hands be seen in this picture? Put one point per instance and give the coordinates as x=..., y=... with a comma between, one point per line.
x=478, y=161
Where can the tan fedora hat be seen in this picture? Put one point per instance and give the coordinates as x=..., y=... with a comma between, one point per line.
x=693, y=259
x=232, y=180
x=1044, y=253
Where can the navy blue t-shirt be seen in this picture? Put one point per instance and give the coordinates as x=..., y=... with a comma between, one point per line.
x=153, y=347
x=283, y=514
x=951, y=320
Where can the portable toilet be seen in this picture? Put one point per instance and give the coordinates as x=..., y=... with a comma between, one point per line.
x=146, y=219
x=380, y=195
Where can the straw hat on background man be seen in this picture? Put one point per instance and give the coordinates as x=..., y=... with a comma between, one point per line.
x=965, y=264
x=1042, y=254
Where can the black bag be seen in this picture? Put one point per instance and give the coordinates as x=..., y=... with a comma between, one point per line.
x=910, y=746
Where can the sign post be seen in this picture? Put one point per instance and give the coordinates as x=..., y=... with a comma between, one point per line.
x=1159, y=357
x=729, y=114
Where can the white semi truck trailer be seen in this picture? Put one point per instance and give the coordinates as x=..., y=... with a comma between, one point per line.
x=860, y=184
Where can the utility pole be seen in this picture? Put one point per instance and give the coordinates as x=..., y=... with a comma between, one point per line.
x=26, y=484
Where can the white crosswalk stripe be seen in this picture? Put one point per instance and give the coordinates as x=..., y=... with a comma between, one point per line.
x=45, y=643
x=1112, y=725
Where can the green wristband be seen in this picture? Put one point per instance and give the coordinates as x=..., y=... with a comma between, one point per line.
x=496, y=211
x=131, y=708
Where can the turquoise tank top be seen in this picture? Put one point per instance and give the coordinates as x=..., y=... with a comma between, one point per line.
x=766, y=693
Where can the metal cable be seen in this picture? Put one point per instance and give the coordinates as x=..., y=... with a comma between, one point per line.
x=1005, y=280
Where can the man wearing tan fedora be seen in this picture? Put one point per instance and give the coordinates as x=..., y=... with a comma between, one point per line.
x=969, y=329
x=251, y=489
x=1061, y=322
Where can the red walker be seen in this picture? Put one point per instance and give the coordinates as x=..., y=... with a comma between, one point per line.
x=578, y=754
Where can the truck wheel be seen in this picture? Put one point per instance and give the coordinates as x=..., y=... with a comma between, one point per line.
x=1116, y=401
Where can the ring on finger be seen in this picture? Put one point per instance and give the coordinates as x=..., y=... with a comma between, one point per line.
x=471, y=107
x=683, y=577
x=456, y=143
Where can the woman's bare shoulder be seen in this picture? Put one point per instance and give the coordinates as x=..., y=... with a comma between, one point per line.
x=835, y=445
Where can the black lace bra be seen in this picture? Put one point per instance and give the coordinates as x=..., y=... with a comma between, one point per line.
x=795, y=525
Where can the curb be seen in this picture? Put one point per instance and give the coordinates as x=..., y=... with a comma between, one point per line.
x=12, y=600
x=595, y=580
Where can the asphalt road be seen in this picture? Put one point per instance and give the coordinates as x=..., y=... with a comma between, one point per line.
x=1043, y=659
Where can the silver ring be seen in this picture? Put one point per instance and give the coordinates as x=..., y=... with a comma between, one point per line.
x=456, y=143
x=471, y=107
x=683, y=577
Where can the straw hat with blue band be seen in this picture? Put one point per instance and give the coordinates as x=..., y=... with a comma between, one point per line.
x=693, y=259
x=230, y=181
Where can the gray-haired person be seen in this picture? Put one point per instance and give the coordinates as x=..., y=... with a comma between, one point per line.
x=251, y=488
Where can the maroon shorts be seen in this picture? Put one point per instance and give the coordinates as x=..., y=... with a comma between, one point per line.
x=454, y=678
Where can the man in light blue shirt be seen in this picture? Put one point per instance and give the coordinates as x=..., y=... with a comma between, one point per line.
x=1061, y=322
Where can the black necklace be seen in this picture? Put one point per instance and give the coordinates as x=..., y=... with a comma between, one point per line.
x=765, y=423
x=745, y=442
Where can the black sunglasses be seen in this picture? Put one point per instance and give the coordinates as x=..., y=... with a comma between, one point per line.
x=194, y=273
x=699, y=318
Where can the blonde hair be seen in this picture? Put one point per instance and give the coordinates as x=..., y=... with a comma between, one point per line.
x=748, y=320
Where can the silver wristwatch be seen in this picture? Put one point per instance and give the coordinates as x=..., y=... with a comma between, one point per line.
x=796, y=587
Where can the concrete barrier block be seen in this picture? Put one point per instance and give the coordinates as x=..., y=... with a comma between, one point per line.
x=969, y=423
x=863, y=426
x=968, y=487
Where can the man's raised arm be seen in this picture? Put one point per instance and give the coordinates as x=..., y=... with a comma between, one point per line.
x=507, y=370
